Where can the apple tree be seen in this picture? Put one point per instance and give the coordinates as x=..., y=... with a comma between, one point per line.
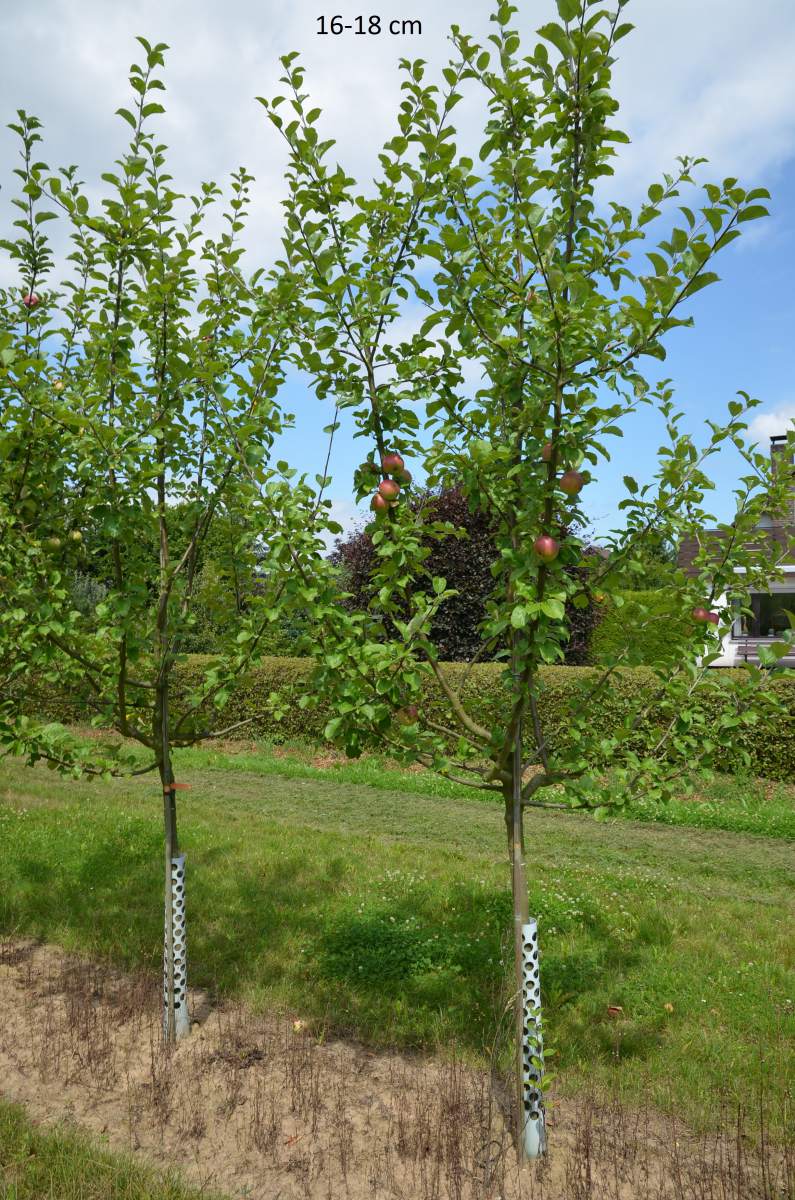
x=543, y=301
x=142, y=388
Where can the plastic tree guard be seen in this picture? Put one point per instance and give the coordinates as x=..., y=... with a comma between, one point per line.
x=534, y=1139
x=181, y=1017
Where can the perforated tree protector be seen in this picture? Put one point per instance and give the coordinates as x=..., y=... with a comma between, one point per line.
x=534, y=1129
x=181, y=1017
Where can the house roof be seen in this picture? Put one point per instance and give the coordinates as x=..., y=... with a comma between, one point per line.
x=713, y=540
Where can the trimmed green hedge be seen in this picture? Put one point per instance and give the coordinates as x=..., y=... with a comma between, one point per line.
x=652, y=630
x=772, y=746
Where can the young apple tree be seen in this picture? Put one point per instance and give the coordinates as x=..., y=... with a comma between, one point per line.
x=141, y=394
x=536, y=283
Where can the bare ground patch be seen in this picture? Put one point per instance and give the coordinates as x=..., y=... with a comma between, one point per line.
x=263, y=1107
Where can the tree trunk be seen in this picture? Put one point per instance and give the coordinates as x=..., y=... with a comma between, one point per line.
x=530, y=1131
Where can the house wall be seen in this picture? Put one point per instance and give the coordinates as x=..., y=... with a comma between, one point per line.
x=733, y=644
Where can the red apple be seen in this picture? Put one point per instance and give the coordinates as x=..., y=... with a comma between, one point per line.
x=370, y=467
x=713, y=618
x=546, y=453
x=700, y=614
x=407, y=715
x=389, y=489
x=31, y=299
x=403, y=477
x=378, y=504
x=546, y=548
x=571, y=482
x=391, y=462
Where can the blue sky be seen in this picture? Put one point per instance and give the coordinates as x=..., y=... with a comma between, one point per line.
x=714, y=78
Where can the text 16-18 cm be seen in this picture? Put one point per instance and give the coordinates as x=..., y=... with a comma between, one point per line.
x=362, y=26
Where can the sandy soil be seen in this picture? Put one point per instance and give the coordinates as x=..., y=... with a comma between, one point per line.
x=264, y=1108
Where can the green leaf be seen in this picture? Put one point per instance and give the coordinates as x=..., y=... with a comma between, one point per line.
x=553, y=609
x=752, y=213
x=519, y=617
x=569, y=10
x=332, y=728
x=701, y=281
x=557, y=36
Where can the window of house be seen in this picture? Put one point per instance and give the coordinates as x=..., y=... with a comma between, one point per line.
x=769, y=615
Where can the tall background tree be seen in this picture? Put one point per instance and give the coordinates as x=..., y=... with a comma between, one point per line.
x=525, y=275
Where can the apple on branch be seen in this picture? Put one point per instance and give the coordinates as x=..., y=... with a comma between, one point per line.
x=546, y=547
x=391, y=462
x=389, y=489
x=571, y=482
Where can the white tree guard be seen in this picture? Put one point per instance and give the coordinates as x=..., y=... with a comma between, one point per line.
x=534, y=1136
x=181, y=1017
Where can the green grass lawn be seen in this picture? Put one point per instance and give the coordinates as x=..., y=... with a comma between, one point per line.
x=63, y=1164
x=383, y=912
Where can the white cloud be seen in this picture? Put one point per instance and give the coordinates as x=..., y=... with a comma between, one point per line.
x=766, y=425
x=713, y=78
